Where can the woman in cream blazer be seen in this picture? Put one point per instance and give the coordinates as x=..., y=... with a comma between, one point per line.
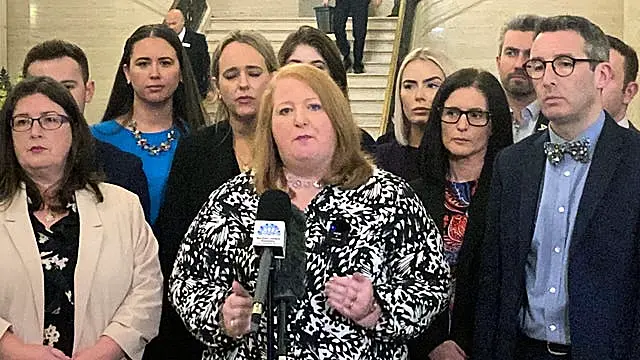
x=117, y=283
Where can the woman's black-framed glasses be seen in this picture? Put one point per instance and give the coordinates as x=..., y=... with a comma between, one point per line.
x=47, y=121
x=475, y=117
x=562, y=65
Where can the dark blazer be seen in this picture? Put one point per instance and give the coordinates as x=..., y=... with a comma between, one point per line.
x=431, y=192
x=198, y=52
x=123, y=169
x=541, y=123
x=604, y=255
x=203, y=161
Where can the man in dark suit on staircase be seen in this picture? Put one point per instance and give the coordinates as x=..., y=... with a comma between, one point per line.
x=195, y=45
x=359, y=10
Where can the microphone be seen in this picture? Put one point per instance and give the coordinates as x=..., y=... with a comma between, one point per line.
x=290, y=274
x=269, y=239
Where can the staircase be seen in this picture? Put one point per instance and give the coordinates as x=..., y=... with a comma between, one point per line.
x=366, y=91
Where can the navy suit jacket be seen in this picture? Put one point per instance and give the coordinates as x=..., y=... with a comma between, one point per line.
x=198, y=53
x=125, y=170
x=604, y=255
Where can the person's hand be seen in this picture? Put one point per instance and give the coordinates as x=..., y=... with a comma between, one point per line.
x=325, y=3
x=236, y=311
x=352, y=296
x=104, y=349
x=448, y=350
x=378, y=2
x=12, y=348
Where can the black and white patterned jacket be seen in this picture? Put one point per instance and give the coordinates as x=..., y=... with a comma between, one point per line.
x=391, y=240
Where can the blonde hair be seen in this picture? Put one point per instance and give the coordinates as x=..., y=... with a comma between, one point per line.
x=400, y=126
x=249, y=37
x=349, y=166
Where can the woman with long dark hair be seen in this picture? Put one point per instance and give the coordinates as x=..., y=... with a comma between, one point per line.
x=154, y=101
x=469, y=123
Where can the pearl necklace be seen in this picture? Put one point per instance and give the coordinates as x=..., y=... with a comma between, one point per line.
x=144, y=143
x=297, y=183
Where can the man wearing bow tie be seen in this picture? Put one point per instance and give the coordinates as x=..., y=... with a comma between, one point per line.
x=561, y=265
x=195, y=45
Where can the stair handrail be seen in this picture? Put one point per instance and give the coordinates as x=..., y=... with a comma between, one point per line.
x=404, y=31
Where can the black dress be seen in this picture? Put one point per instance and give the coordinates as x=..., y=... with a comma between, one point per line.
x=203, y=161
x=398, y=159
x=58, y=248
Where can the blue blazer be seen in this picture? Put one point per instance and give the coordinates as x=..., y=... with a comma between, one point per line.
x=604, y=255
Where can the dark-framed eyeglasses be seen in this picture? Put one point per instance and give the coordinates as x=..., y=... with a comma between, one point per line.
x=47, y=121
x=562, y=65
x=475, y=117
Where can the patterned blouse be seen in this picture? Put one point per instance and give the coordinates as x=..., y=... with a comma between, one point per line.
x=390, y=239
x=457, y=197
x=58, y=247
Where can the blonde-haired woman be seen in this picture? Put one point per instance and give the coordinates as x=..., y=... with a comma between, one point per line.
x=242, y=65
x=419, y=78
x=366, y=294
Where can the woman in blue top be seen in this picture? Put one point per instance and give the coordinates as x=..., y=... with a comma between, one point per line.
x=154, y=101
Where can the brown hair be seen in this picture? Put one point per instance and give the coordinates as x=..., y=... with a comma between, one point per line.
x=349, y=167
x=78, y=171
x=307, y=35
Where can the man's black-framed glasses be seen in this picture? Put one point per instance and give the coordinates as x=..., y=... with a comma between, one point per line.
x=47, y=121
x=475, y=117
x=562, y=65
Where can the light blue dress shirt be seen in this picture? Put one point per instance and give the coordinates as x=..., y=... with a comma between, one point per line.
x=545, y=315
x=529, y=119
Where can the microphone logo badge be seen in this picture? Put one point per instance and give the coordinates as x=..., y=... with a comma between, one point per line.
x=269, y=229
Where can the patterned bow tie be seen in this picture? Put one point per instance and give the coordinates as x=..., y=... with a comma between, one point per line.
x=578, y=149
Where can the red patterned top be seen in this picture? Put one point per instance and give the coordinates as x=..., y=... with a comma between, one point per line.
x=457, y=197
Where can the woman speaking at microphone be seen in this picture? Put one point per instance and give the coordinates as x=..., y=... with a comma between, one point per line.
x=368, y=289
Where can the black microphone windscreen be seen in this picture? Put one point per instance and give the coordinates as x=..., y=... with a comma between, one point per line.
x=289, y=279
x=274, y=205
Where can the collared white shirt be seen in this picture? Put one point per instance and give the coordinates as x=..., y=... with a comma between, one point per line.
x=624, y=122
x=181, y=34
x=529, y=118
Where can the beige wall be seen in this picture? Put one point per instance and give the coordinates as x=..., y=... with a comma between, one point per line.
x=3, y=34
x=253, y=8
x=467, y=31
x=100, y=27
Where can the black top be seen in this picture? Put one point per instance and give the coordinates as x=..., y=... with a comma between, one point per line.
x=432, y=194
x=58, y=248
x=203, y=161
x=367, y=142
x=398, y=159
x=123, y=169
